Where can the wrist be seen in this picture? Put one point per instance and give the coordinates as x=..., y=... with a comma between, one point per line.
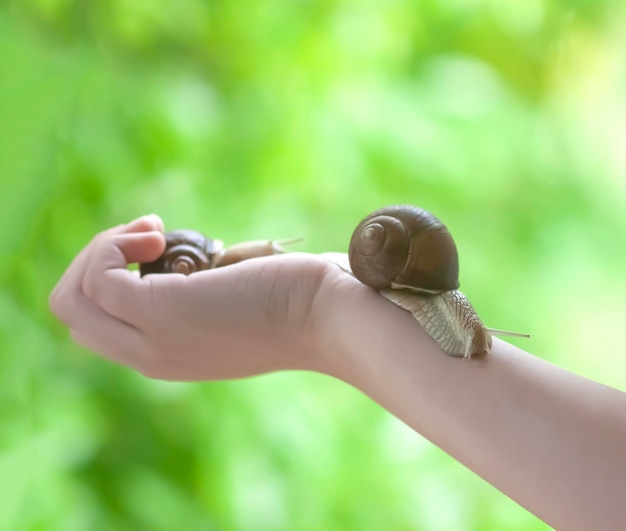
x=342, y=316
x=306, y=332
x=360, y=334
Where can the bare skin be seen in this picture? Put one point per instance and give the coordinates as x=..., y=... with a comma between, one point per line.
x=551, y=440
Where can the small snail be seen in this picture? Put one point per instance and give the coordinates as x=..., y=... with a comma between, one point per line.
x=410, y=257
x=188, y=251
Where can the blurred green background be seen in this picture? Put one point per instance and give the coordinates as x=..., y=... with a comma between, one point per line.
x=279, y=119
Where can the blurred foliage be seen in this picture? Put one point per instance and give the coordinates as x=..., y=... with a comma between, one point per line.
x=279, y=119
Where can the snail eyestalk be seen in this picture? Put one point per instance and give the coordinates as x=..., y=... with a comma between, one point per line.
x=496, y=332
x=288, y=241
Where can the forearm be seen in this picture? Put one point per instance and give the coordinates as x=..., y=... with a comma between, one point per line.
x=551, y=440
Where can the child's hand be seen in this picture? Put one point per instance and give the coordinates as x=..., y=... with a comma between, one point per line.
x=256, y=316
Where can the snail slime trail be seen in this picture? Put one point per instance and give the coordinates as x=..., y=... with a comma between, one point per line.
x=409, y=256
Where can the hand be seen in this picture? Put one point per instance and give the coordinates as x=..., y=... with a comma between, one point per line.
x=256, y=316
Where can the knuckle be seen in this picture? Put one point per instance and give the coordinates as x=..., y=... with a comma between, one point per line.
x=92, y=282
x=106, y=233
x=98, y=238
x=90, y=288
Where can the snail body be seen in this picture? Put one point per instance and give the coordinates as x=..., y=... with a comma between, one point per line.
x=251, y=249
x=189, y=251
x=449, y=318
x=409, y=255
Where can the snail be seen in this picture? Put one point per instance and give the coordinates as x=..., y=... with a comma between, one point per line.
x=188, y=251
x=409, y=256
x=402, y=251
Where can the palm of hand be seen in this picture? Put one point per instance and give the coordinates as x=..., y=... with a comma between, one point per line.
x=244, y=319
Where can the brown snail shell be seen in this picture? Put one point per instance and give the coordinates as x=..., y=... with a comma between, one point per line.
x=408, y=254
x=404, y=246
x=186, y=252
x=410, y=257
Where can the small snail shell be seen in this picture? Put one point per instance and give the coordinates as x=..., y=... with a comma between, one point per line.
x=404, y=246
x=186, y=251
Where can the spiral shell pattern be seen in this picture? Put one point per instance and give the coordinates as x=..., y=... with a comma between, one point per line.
x=186, y=251
x=404, y=246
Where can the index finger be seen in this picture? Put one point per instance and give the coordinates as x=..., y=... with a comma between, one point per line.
x=110, y=284
x=69, y=286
